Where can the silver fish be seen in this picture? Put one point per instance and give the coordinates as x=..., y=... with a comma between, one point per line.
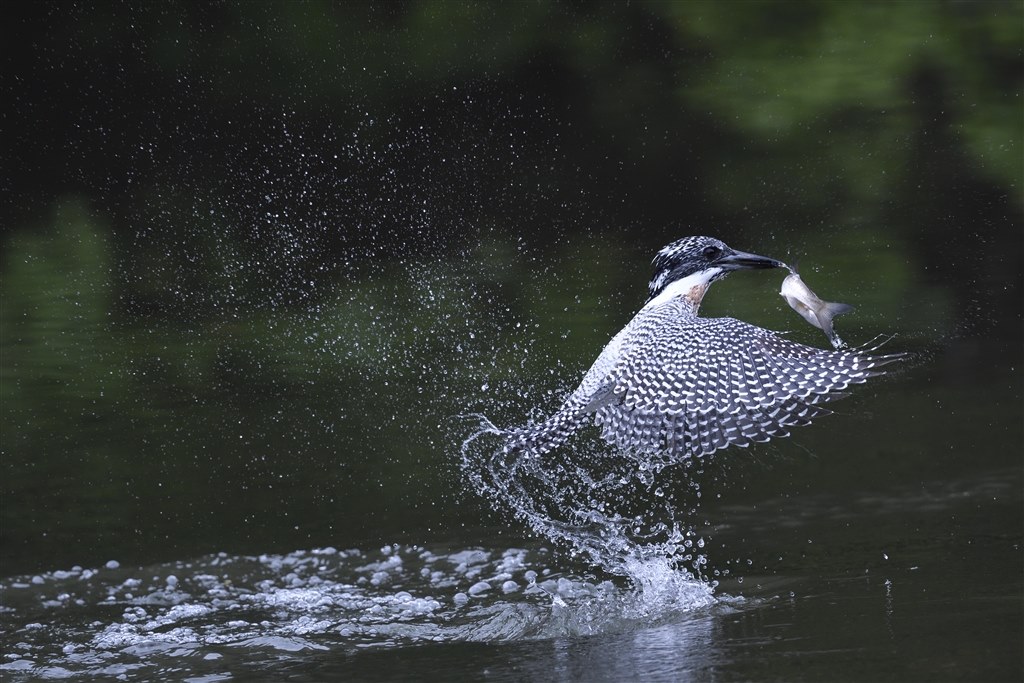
x=813, y=309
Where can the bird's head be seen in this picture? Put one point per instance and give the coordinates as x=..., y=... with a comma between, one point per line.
x=693, y=263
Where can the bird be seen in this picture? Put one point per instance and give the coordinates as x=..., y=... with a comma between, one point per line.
x=677, y=385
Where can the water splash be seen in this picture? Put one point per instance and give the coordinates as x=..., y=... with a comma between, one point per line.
x=624, y=512
x=222, y=612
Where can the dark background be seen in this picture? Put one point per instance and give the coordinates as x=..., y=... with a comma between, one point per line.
x=255, y=256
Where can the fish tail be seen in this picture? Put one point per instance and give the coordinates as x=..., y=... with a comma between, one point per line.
x=835, y=309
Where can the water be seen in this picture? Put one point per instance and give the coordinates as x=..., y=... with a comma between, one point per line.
x=606, y=505
x=411, y=612
x=255, y=261
x=884, y=542
x=842, y=549
x=206, y=615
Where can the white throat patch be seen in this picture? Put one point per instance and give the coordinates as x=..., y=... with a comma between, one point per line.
x=684, y=286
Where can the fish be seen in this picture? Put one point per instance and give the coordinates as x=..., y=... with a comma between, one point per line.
x=811, y=307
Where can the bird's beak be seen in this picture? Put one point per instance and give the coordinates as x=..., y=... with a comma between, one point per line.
x=741, y=259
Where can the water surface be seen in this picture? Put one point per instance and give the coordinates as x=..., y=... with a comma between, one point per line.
x=257, y=258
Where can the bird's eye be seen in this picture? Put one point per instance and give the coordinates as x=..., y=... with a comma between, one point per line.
x=711, y=253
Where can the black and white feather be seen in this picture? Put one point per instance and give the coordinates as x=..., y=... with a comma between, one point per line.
x=675, y=384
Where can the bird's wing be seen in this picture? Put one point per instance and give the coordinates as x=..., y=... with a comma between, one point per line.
x=692, y=386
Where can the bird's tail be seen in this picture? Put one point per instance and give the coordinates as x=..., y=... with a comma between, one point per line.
x=531, y=440
x=535, y=440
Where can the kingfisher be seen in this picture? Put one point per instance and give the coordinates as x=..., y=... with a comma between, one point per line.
x=676, y=385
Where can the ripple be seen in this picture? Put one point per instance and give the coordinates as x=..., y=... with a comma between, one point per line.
x=136, y=621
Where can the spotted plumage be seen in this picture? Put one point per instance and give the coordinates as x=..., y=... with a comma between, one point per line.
x=678, y=385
